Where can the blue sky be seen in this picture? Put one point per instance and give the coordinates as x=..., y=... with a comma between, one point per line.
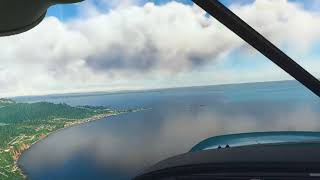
x=159, y=45
x=247, y=62
x=67, y=11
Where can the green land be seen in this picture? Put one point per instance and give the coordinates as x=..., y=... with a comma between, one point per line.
x=23, y=124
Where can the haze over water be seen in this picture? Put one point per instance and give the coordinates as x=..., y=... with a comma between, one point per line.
x=121, y=146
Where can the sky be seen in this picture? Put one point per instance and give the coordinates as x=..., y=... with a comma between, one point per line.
x=111, y=45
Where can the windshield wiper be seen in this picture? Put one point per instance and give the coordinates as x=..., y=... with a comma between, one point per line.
x=259, y=42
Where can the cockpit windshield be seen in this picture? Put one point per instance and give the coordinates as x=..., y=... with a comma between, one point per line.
x=103, y=89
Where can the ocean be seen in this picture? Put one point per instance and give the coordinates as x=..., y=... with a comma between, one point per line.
x=120, y=147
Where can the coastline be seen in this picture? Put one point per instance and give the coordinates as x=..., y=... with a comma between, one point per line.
x=66, y=126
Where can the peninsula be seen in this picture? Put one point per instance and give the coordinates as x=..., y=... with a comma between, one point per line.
x=23, y=124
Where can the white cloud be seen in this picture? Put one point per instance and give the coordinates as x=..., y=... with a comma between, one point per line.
x=131, y=45
x=282, y=22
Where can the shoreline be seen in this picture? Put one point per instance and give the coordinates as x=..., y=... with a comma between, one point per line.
x=66, y=126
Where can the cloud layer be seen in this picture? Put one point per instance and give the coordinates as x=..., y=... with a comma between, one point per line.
x=130, y=45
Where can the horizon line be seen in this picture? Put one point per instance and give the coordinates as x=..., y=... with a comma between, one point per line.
x=142, y=89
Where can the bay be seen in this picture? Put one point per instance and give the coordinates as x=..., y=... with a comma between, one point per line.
x=121, y=147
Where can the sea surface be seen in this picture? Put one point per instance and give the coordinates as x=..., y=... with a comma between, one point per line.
x=121, y=147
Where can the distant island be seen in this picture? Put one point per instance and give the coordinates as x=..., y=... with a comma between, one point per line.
x=23, y=124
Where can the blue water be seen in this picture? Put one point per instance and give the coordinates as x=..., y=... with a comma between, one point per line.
x=119, y=147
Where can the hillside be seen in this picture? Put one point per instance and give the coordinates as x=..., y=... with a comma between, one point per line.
x=6, y=102
x=23, y=124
